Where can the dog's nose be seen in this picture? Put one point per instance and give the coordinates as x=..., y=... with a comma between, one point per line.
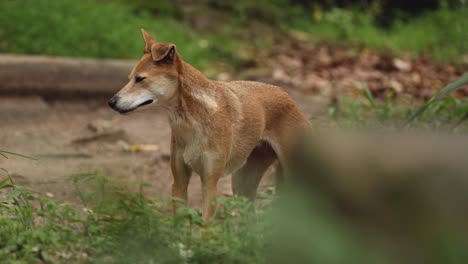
x=112, y=102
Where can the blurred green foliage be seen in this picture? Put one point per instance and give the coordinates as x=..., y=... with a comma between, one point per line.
x=446, y=115
x=272, y=12
x=145, y=7
x=438, y=33
x=89, y=29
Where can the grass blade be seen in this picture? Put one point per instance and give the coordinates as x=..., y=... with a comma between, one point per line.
x=369, y=96
x=3, y=184
x=3, y=152
x=452, y=87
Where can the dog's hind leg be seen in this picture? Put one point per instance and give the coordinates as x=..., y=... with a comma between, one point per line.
x=246, y=180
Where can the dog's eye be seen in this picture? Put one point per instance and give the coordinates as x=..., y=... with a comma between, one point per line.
x=139, y=79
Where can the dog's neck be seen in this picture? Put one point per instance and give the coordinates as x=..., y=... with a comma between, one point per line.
x=191, y=78
x=186, y=106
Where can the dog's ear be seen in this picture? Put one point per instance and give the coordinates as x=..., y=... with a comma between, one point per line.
x=149, y=41
x=163, y=52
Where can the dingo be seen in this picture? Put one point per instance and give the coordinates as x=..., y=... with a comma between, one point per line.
x=238, y=127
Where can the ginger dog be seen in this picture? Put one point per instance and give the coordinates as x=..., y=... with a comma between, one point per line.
x=237, y=127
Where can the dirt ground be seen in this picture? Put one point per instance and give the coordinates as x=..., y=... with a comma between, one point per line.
x=79, y=137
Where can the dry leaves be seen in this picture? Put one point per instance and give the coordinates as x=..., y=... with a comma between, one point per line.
x=330, y=70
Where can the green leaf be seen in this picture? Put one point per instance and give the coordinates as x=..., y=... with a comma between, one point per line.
x=452, y=87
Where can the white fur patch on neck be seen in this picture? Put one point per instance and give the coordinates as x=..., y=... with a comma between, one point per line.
x=206, y=99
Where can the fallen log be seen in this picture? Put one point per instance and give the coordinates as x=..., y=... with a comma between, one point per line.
x=58, y=77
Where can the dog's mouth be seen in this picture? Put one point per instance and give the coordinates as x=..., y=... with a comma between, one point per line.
x=147, y=102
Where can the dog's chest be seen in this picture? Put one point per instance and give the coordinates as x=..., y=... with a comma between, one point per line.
x=200, y=158
x=191, y=142
x=193, y=153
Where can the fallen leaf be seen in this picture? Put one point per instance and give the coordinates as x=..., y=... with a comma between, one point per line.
x=140, y=148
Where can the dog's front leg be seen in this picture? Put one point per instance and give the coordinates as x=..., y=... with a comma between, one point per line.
x=213, y=170
x=181, y=173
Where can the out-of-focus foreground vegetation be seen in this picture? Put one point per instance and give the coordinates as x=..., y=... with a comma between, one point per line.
x=209, y=30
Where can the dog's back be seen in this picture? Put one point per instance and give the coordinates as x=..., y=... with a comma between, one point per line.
x=267, y=114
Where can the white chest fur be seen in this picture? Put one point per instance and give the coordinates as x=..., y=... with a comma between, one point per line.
x=191, y=142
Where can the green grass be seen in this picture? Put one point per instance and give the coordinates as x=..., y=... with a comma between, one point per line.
x=446, y=115
x=449, y=114
x=91, y=29
x=439, y=34
x=441, y=112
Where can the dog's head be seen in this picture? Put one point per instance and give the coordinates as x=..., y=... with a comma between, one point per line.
x=153, y=80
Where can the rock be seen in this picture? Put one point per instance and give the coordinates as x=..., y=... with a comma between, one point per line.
x=402, y=65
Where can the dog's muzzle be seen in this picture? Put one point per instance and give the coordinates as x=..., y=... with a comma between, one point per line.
x=114, y=100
